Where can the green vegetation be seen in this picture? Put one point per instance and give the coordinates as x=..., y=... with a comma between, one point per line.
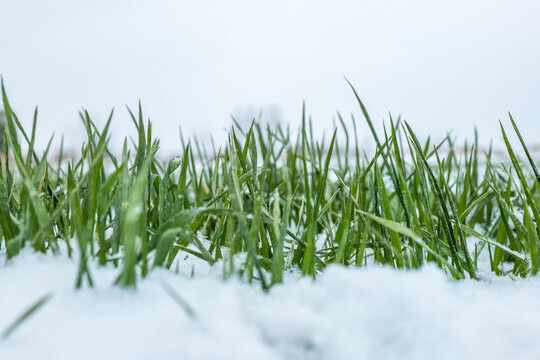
x=268, y=200
x=25, y=316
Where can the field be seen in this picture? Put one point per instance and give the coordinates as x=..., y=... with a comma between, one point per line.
x=264, y=216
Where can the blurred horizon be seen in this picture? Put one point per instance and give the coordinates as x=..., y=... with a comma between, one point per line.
x=443, y=66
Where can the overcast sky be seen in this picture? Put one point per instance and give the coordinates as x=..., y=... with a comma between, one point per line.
x=442, y=65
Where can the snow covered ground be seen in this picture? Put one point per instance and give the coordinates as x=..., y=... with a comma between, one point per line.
x=375, y=313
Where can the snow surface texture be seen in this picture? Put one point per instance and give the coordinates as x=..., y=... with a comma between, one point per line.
x=375, y=313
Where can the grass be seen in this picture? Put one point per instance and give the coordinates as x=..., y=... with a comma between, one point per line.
x=25, y=316
x=268, y=200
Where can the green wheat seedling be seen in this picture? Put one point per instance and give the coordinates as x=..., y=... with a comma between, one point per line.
x=271, y=199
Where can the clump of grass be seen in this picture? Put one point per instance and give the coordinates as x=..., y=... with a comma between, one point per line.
x=280, y=199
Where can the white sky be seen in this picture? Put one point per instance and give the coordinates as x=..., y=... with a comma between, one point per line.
x=441, y=64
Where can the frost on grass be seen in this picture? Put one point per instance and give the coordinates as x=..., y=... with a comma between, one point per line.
x=372, y=313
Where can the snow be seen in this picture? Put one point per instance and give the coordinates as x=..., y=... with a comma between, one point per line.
x=373, y=313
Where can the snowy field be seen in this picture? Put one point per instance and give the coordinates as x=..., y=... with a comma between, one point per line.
x=443, y=65
x=374, y=313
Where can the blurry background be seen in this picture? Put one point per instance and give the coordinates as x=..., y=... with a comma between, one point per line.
x=442, y=65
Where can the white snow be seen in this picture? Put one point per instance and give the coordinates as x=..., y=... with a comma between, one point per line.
x=374, y=313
